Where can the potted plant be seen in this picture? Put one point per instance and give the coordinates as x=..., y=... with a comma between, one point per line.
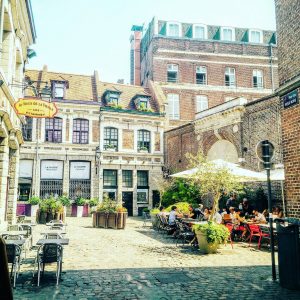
x=154, y=217
x=210, y=236
x=110, y=147
x=80, y=202
x=93, y=204
x=143, y=149
x=34, y=201
x=66, y=202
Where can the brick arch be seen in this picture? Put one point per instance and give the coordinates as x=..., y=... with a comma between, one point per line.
x=223, y=149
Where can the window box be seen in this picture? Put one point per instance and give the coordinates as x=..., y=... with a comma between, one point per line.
x=143, y=150
x=110, y=148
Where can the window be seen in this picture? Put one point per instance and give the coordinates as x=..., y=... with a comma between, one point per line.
x=201, y=75
x=58, y=90
x=227, y=34
x=110, y=138
x=201, y=103
x=257, y=79
x=172, y=75
x=255, y=36
x=142, y=179
x=142, y=102
x=127, y=178
x=112, y=97
x=230, y=77
x=144, y=140
x=27, y=130
x=80, y=131
x=199, y=32
x=173, y=106
x=53, y=128
x=110, y=178
x=173, y=29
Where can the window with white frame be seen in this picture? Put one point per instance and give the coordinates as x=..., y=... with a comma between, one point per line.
x=58, y=90
x=173, y=29
x=256, y=36
x=199, y=31
x=173, y=106
x=227, y=34
x=257, y=79
x=230, y=76
x=172, y=73
x=201, y=103
x=201, y=75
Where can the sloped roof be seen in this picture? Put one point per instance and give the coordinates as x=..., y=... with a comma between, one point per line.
x=88, y=88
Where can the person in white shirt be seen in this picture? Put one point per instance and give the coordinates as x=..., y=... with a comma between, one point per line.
x=259, y=217
x=172, y=215
x=216, y=217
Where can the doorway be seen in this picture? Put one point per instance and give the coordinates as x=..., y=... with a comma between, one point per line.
x=127, y=199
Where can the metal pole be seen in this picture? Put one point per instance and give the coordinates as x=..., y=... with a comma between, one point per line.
x=271, y=225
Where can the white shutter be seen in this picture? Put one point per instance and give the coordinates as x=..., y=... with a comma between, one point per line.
x=173, y=106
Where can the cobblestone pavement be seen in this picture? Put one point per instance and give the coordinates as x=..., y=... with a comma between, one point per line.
x=139, y=263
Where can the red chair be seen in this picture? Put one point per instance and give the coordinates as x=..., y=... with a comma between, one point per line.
x=230, y=228
x=255, y=230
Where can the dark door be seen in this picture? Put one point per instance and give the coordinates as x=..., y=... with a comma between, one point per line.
x=127, y=198
x=155, y=198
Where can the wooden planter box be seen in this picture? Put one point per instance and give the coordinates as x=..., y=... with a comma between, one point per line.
x=121, y=220
x=100, y=219
x=112, y=220
x=45, y=217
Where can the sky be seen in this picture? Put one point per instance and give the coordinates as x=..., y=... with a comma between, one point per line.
x=80, y=36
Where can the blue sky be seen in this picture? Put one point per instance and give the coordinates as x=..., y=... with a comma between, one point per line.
x=80, y=36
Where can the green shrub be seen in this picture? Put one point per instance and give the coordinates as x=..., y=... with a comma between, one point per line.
x=51, y=205
x=34, y=200
x=154, y=211
x=182, y=207
x=64, y=200
x=108, y=205
x=215, y=233
x=80, y=201
x=93, y=202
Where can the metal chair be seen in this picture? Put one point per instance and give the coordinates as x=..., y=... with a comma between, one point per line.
x=55, y=227
x=28, y=235
x=14, y=252
x=147, y=218
x=16, y=227
x=49, y=253
x=52, y=236
x=13, y=237
x=184, y=233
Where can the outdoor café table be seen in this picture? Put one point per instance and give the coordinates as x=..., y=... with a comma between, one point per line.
x=53, y=241
x=267, y=225
x=53, y=232
x=14, y=232
x=15, y=242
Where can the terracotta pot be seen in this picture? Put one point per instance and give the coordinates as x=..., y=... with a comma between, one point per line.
x=204, y=246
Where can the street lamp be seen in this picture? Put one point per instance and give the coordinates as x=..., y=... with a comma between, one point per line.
x=46, y=93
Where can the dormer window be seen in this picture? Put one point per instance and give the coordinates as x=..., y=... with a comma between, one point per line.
x=255, y=36
x=112, y=97
x=227, y=34
x=142, y=102
x=199, y=31
x=58, y=89
x=173, y=29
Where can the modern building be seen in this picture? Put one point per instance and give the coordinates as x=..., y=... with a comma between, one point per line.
x=287, y=11
x=199, y=66
x=105, y=138
x=17, y=33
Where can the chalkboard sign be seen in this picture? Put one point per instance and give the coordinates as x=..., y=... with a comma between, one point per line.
x=290, y=99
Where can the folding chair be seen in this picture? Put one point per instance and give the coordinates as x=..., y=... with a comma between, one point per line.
x=255, y=230
x=14, y=252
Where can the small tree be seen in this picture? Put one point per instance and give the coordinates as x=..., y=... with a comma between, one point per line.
x=162, y=185
x=213, y=180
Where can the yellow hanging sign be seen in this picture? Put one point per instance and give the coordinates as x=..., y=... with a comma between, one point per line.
x=36, y=108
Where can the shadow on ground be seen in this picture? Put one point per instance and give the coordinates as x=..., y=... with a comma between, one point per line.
x=160, y=283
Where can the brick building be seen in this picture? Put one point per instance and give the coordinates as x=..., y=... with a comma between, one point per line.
x=198, y=66
x=106, y=138
x=17, y=33
x=287, y=11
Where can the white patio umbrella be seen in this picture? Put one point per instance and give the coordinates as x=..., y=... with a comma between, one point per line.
x=244, y=175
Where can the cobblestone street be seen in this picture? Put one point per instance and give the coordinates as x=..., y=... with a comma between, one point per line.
x=139, y=263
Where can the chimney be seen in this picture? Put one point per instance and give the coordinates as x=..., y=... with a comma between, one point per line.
x=120, y=81
x=45, y=68
x=135, y=55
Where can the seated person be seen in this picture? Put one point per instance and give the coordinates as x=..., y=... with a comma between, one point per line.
x=216, y=217
x=231, y=213
x=206, y=214
x=258, y=217
x=247, y=207
x=162, y=211
x=277, y=212
x=173, y=215
x=238, y=223
x=224, y=212
x=192, y=212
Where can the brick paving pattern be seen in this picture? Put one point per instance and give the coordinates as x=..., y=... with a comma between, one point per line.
x=139, y=263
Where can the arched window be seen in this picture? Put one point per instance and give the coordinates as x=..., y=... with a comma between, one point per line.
x=53, y=130
x=143, y=140
x=110, y=138
x=80, y=131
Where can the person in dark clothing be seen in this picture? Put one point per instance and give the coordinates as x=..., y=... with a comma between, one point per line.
x=247, y=207
x=192, y=212
x=229, y=203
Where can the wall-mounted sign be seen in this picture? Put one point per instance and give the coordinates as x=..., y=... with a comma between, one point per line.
x=25, y=170
x=52, y=169
x=80, y=170
x=36, y=108
x=290, y=99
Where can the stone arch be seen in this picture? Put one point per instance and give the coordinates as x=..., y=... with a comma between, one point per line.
x=223, y=149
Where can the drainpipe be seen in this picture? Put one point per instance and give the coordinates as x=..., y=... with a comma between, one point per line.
x=271, y=66
x=1, y=22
